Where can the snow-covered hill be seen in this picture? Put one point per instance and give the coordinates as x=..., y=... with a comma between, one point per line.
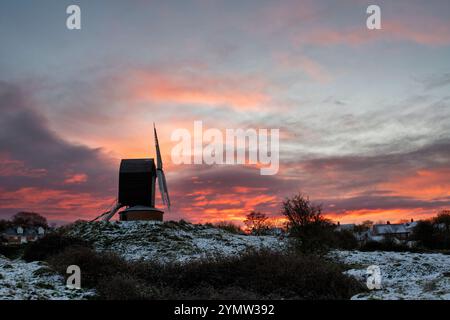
x=168, y=241
x=404, y=275
x=33, y=281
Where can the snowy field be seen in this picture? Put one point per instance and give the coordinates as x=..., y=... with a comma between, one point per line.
x=33, y=281
x=405, y=275
x=163, y=242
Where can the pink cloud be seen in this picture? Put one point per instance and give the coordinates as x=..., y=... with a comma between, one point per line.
x=54, y=203
x=432, y=32
x=11, y=167
x=236, y=92
x=309, y=66
x=77, y=178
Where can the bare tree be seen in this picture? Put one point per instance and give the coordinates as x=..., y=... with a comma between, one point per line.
x=307, y=224
x=29, y=219
x=364, y=226
x=443, y=218
x=300, y=212
x=256, y=222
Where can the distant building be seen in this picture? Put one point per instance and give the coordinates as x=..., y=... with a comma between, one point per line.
x=345, y=227
x=380, y=232
x=19, y=235
x=398, y=231
x=409, y=226
x=388, y=230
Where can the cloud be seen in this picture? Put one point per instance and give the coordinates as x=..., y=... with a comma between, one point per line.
x=216, y=193
x=197, y=88
x=432, y=33
x=15, y=168
x=56, y=204
x=309, y=66
x=350, y=172
x=351, y=188
x=76, y=178
x=42, y=172
x=35, y=160
x=436, y=81
x=374, y=203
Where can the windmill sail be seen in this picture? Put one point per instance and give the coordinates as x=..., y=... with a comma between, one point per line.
x=160, y=173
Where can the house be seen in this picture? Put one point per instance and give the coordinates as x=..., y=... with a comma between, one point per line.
x=399, y=231
x=345, y=227
x=20, y=235
x=411, y=225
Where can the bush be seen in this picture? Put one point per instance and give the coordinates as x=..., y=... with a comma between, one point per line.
x=29, y=219
x=257, y=223
x=11, y=251
x=95, y=267
x=345, y=240
x=385, y=245
x=51, y=244
x=423, y=233
x=5, y=224
x=253, y=275
x=433, y=234
x=120, y=287
x=443, y=218
x=306, y=224
x=229, y=227
x=262, y=275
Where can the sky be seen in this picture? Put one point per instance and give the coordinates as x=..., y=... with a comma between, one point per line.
x=363, y=114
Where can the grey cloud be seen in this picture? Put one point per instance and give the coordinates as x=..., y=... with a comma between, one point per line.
x=376, y=202
x=436, y=81
x=26, y=138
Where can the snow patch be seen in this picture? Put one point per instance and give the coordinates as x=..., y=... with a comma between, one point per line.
x=34, y=281
x=405, y=275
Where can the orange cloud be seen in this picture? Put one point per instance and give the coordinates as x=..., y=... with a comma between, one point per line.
x=239, y=93
x=76, y=178
x=242, y=189
x=423, y=184
x=55, y=203
x=392, y=215
x=210, y=205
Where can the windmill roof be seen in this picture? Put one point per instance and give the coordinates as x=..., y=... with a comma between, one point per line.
x=137, y=165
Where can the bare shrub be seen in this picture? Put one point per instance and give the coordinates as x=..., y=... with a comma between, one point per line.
x=229, y=227
x=95, y=267
x=51, y=244
x=306, y=224
x=257, y=223
x=253, y=275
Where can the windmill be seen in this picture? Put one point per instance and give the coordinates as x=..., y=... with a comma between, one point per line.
x=137, y=179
